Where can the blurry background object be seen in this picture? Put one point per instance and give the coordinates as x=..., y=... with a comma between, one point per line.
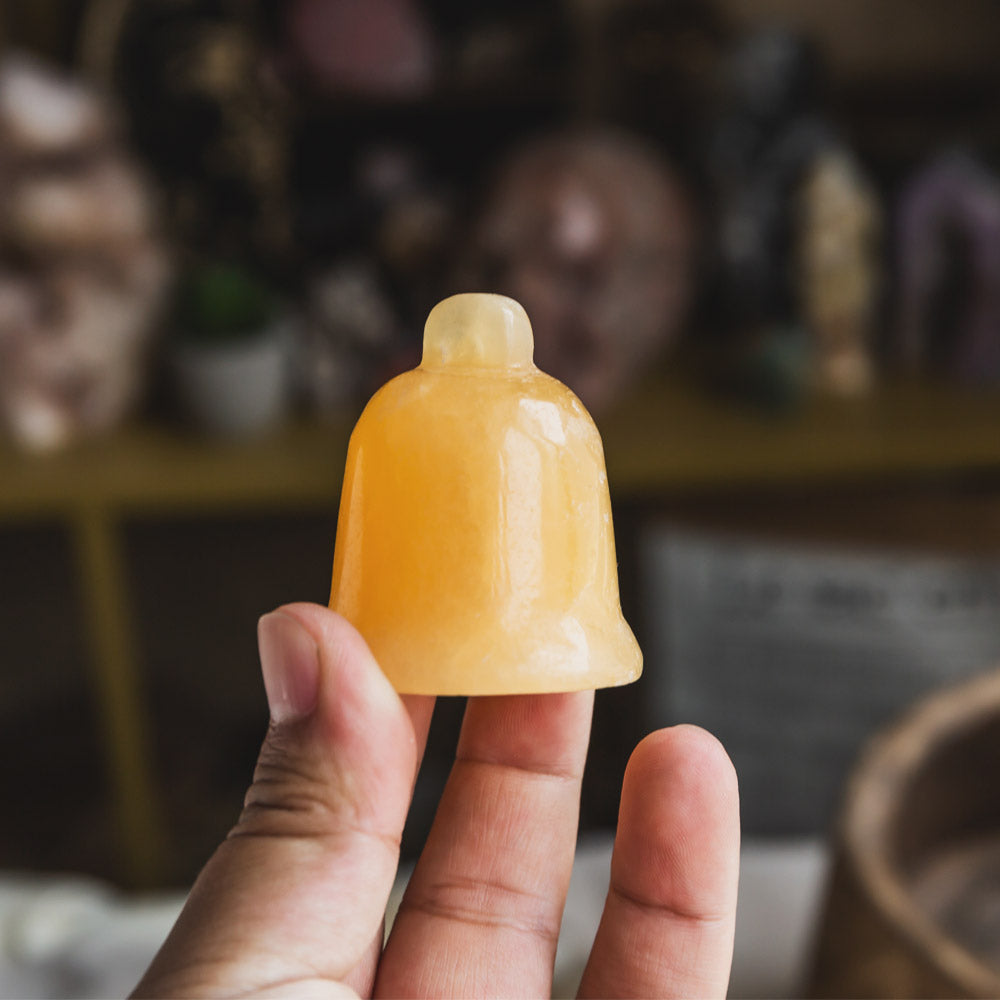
x=948, y=250
x=913, y=906
x=231, y=350
x=794, y=654
x=499, y=46
x=645, y=65
x=376, y=49
x=347, y=332
x=413, y=228
x=208, y=112
x=595, y=236
x=838, y=270
x=796, y=222
x=82, y=268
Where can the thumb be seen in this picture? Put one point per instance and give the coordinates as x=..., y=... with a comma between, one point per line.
x=294, y=897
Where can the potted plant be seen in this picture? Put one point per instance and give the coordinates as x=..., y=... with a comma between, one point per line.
x=231, y=356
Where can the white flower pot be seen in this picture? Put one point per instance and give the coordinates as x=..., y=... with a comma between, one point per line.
x=238, y=388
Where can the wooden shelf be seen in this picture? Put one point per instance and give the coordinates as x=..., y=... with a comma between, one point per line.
x=149, y=468
x=669, y=438
x=673, y=439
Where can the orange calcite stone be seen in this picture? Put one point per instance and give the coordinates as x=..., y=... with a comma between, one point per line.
x=475, y=551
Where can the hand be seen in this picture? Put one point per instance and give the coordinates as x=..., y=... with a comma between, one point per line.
x=292, y=903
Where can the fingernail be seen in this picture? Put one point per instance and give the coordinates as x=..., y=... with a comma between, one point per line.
x=289, y=661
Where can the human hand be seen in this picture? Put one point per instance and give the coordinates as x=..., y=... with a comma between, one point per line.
x=292, y=902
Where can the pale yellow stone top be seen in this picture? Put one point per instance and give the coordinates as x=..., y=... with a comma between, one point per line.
x=478, y=330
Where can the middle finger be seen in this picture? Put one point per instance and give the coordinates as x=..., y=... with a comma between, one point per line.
x=482, y=911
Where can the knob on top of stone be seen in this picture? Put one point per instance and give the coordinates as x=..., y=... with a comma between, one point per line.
x=477, y=330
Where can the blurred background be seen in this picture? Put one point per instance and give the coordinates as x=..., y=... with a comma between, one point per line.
x=759, y=239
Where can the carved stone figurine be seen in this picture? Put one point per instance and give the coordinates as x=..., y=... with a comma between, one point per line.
x=837, y=271
x=594, y=235
x=948, y=246
x=81, y=269
x=797, y=223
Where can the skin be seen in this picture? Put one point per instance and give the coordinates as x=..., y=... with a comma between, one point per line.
x=292, y=902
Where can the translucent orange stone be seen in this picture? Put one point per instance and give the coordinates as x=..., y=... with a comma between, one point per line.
x=475, y=551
